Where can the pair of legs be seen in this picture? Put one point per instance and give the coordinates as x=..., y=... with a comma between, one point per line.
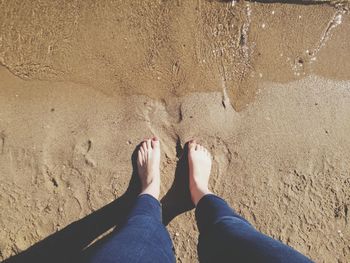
x=224, y=235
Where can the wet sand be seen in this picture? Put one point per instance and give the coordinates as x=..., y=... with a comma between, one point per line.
x=266, y=86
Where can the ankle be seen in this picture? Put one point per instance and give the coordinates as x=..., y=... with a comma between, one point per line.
x=198, y=192
x=199, y=186
x=151, y=191
x=151, y=187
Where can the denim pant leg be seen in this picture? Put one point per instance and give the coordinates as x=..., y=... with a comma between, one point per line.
x=143, y=238
x=227, y=237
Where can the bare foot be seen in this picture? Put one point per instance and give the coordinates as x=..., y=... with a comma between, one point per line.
x=148, y=167
x=199, y=160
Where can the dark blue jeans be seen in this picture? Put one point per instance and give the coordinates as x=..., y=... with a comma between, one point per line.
x=224, y=237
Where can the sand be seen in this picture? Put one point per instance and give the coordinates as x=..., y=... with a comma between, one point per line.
x=265, y=86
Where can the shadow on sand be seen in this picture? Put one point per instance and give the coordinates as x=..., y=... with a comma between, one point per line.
x=178, y=198
x=69, y=244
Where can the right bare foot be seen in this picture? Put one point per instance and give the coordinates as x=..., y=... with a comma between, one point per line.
x=148, y=167
x=199, y=160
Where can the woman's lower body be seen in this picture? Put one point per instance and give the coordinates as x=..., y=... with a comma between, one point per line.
x=224, y=236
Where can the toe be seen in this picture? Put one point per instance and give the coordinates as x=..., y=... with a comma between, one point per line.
x=139, y=156
x=144, y=146
x=192, y=145
x=208, y=153
x=149, y=144
x=155, y=142
x=142, y=150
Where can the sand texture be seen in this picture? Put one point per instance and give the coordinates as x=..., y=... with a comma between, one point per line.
x=265, y=86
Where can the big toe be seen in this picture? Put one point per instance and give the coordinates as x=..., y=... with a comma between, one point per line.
x=192, y=145
x=155, y=143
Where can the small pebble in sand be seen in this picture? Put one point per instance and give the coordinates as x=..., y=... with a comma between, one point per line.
x=177, y=234
x=158, y=78
x=260, y=75
x=340, y=233
x=273, y=12
x=263, y=25
x=299, y=17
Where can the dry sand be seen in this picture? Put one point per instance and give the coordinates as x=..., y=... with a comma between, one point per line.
x=264, y=86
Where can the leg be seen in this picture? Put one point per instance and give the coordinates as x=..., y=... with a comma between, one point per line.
x=143, y=238
x=224, y=235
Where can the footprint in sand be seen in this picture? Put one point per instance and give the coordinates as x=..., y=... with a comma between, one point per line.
x=83, y=149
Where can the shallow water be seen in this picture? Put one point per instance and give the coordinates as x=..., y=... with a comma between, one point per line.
x=166, y=49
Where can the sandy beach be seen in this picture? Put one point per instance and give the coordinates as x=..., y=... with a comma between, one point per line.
x=264, y=86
